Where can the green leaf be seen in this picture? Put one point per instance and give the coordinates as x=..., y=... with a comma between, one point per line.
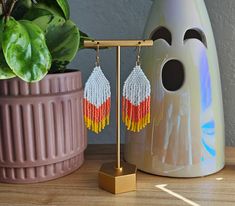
x=34, y=13
x=64, y=5
x=25, y=50
x=51, y=7
x=63, y=39
x=56, y=7
x=5, y=71
x=21, y=7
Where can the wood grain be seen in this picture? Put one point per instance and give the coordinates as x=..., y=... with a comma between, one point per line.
x=81, y=189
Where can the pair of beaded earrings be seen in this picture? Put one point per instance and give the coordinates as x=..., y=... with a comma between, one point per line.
x=135, y=100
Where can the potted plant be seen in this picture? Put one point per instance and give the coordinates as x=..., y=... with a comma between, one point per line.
x=42, y=133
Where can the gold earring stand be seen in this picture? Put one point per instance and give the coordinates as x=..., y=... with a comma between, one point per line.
x=118, y=177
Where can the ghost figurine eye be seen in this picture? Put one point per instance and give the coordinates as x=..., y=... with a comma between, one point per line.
x=195, y=33
x=161, y=33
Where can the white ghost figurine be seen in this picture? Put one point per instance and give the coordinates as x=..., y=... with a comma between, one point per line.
x=186, y=134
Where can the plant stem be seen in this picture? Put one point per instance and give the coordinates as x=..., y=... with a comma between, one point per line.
x=11, y=8
x=4, y=9
x=3, y=6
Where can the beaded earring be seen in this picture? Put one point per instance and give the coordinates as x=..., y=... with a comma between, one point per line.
x=97, y=99
x=136, y=99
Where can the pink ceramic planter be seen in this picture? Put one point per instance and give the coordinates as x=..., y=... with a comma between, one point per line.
x=42, y=133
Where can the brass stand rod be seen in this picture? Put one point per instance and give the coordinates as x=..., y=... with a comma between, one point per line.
x=118, y=109
x=116, y=43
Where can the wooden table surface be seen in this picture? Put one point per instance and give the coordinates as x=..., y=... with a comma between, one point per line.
x=80, y=188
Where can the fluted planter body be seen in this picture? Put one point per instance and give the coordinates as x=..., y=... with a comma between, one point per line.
x=186, y=134
x=42, y=134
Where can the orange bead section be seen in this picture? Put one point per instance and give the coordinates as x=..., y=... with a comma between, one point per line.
x=136, y=117
x=96, y=118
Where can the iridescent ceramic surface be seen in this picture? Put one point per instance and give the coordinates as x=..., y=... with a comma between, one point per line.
x=186, y=134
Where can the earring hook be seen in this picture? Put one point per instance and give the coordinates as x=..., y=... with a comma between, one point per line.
x=98, y=55
x=138, y=61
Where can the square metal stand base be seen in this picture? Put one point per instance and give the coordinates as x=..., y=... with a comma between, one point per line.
x=116, y=180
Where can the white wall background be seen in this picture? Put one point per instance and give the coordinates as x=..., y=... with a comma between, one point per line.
x=125, y=19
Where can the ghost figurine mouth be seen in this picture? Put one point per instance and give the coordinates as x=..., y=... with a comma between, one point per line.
x=173, y=75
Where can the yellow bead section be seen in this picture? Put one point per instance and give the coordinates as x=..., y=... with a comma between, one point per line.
x=136, y=126
x=97, y=127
